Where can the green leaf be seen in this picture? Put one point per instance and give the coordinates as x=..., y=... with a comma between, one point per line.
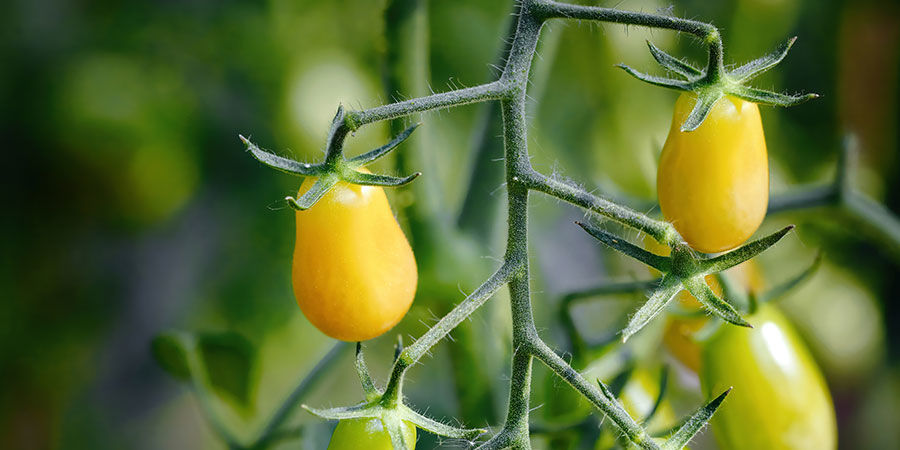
x=697, y=421
x=169, y=351
x=228, y=359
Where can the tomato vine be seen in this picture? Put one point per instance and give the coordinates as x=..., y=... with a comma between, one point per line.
x=684, y=269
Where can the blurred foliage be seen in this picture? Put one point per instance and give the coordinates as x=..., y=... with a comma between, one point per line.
x=132, y=207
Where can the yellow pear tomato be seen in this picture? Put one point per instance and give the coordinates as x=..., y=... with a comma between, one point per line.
x=713, y=182
x=780, y=399
x=369, y=434
x=354, y=273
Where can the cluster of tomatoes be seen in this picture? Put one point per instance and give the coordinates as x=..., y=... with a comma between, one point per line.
x=713, y=187
x=355, y=277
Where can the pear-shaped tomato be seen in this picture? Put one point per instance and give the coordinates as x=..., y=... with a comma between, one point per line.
x=713, y=182
x=369, y=434
x=354, y=272
x=780, y=400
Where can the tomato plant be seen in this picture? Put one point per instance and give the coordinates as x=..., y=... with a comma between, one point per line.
x=369, y=433
x=355, y=276
x=354, y=272
x=780, y=400
x=713, y=182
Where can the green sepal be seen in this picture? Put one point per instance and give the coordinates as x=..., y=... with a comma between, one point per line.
x=769, y=98
x=694, y=424
x=371, y=179
x=705, y=102
x=728, y=260
x=313, y=195
x=335, y=168
x=734, y=293
x=701, y=291
x=655, y=80
x=281, y=163
x=674, y=64
x=439, y=428
x=365, y=379
x=713, y=83
x=345, y=412
x=617, y=384
x=759, y=66
x=661, y=263
x=394, y=427
x=373, y=155
x=659, y=298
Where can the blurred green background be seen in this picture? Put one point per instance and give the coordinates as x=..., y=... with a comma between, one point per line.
x=132, y=207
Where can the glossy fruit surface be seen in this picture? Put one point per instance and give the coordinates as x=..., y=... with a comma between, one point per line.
x=780, y=400
x=713, y=182
x=354, y=273
x=369, y=434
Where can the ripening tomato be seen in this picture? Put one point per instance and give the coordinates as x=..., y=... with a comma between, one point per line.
x=354, y=272
x=369, y=434
x=713, y=182
x=780, y=400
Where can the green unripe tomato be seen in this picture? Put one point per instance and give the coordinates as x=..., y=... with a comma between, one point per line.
x=368, y=433
x=780, y=400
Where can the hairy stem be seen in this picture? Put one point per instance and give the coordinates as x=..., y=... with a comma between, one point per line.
x=494, y=90
x=660, y=230
x=412, y=354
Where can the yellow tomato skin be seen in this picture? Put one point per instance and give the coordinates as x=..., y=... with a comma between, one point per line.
x=780, y=399
x=368, y=433
x=713, y=182
x=354, y=273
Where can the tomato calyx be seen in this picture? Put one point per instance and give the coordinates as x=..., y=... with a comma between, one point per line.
x=335, y=168
x=390, y=409
x=685, y=269
x=714, y=82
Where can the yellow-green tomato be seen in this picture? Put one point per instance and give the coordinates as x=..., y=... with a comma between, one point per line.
x=780, y=400
x=369, y=434
x=713, y=182
x=354, y=273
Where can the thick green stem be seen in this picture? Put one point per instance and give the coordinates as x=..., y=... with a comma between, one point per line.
x=660, y=230
x=410, y=355
x=490, y=91
x=612, y=409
